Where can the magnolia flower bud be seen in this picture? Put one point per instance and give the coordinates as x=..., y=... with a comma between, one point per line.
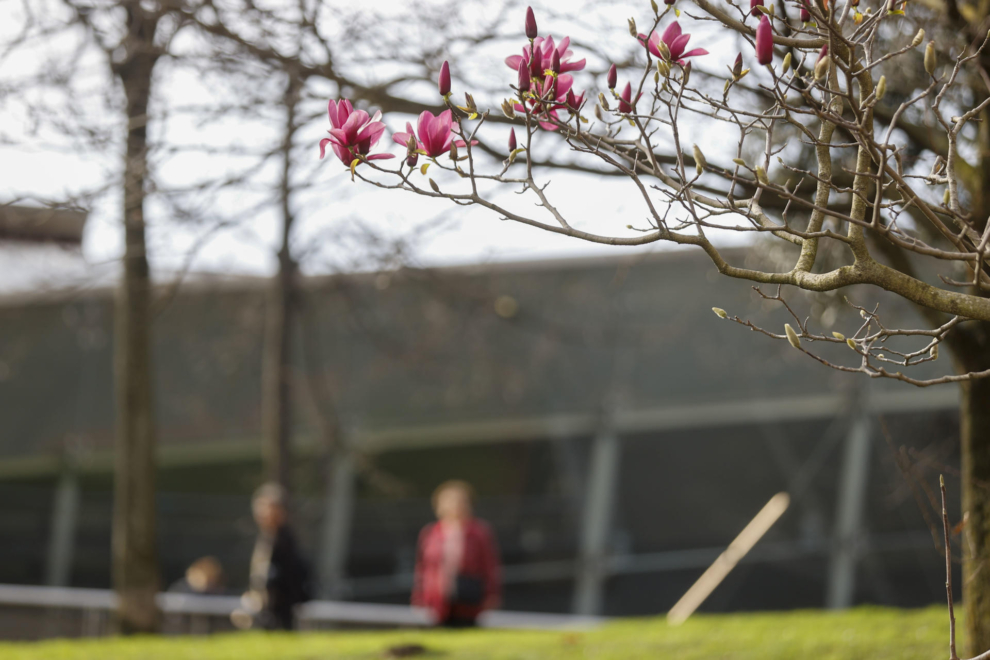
x=613, y=77
x=719, y=312
x=805, y=14
x=792, y=337
x=839, y=336
x=930, y=58
x=512, y=140
x=918, y=38
x=598, y=113
x=753, y=4
x=739, y=161
x=632, y=28
x=764, y=41
x=603, y=101
x=946, y=197
x=444, y=80
x=433, y=184
x=654, y=7
x=881, y=87
x=555, y=61
x=787, y=64
x=851, y=344
x=822, y=53
x=663, y=68
x=625, y=99
x=933, y=352
x=737, y=66
x=699, y=160
x=524, y=82
x=453, y=151
x=536, y=66
x=687, y=74
x=508, y=110
x=664, y=51
x=761, y=175
x=821, y=69
x=530, y=24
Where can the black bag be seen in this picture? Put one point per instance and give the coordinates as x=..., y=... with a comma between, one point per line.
x=468, y=590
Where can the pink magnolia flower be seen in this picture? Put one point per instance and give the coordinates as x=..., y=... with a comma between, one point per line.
x=354, y=133
x=753, y=4
x=676, y=43
x=436, y=134
x=552, y=94
x=544, y=56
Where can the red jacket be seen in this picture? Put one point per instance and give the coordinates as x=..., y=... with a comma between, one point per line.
x=480, y=560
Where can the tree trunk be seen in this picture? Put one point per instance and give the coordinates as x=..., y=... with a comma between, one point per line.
x=276, y=394
x=975, y=441
x=276, y=388
x=135, y=560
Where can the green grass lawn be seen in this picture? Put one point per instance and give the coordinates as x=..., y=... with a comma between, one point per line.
x=872, y=633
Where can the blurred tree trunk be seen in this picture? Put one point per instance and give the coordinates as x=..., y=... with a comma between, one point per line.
x=975, y=436
x=276, y=387
x=135, y=560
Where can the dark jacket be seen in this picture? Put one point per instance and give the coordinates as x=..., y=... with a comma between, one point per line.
x=288, y=581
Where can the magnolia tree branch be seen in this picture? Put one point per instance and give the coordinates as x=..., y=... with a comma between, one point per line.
x=823, y=91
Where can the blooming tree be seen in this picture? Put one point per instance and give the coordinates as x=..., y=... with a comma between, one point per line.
x=818, y=71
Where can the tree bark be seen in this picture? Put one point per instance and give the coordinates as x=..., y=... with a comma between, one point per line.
x=135, y=558
x=974, y=418
x=276, y=389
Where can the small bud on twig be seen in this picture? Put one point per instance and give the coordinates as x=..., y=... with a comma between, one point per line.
x=851, y=344
x=839, y=336
x=792, y=337
x=930, y=58
x=699, y=160
x=918, y=38
x=787, y=64
x=508, y=110
x=613, y=77
x=761, y=175
x=881, y=87
x=821, y=69
x=632, y=28
x=719, y=312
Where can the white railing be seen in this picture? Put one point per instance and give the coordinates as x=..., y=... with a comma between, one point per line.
x=313, y=614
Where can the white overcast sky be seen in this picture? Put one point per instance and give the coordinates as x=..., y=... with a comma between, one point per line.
x=337, y=210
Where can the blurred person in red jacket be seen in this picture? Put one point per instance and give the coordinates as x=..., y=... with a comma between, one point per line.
x=458, y=574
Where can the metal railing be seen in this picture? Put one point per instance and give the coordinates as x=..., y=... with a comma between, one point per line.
x=96, y=605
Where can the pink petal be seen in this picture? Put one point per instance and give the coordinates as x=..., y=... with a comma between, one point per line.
x=380, y=156
x=677, y=46
x=672, y=32
x=513, y=61
x=401, y=138
x=572, y=66
x=562, y=46
x=694, y=53
x=323, y=146
x=343, y=154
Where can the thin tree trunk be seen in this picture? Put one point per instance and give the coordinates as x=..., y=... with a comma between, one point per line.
x=276, y=389
x=135, y=560
x=975, y=439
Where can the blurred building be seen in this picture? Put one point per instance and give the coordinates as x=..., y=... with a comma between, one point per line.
x=619, y=435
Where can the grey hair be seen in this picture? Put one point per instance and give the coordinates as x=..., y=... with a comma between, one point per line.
x=270, y=492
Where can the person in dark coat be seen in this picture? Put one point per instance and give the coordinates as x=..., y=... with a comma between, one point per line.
x=458, y=574
x=280, y=576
